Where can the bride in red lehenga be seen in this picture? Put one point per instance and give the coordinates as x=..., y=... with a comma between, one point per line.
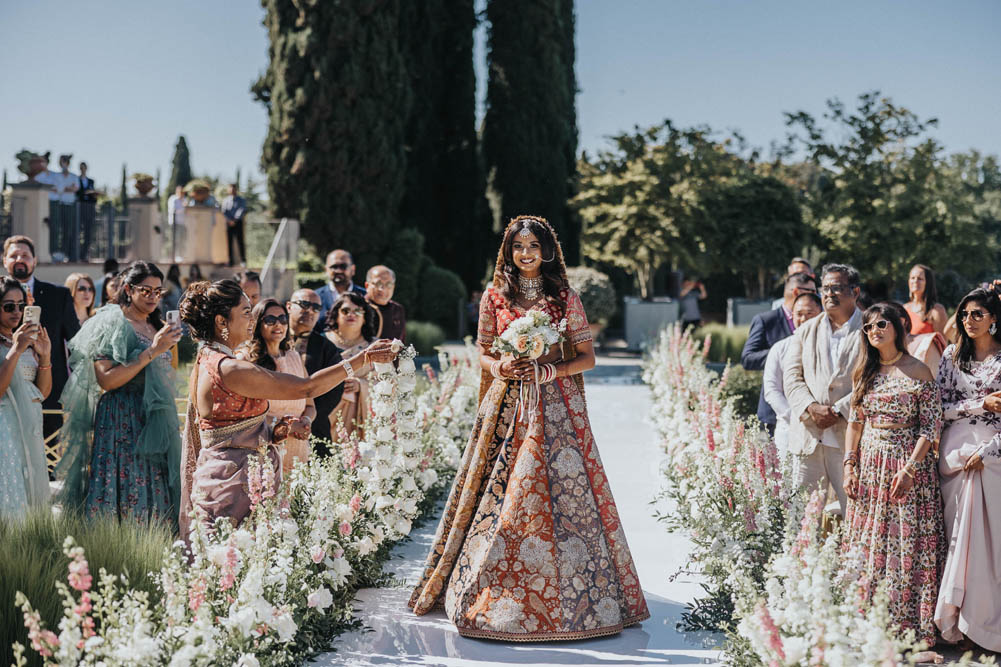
x=530, y=547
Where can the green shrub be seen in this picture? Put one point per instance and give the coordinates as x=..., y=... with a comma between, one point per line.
x=310, y=280
x=442, y=292
x=727, y=342
x=745, y=387
x=596, y=292
x=406, y=258
x=425, y=337
x=32, y=560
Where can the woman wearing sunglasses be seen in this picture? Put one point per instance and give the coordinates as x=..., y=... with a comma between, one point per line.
x=270, y=347
x=350, y=326
x=893, y=522
x=123, y=445
x=970, y=466
x=84, y=295
x=25, y=381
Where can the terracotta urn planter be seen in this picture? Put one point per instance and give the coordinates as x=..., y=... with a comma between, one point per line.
x=200, y=194
x=144, y=187
x=36, y=165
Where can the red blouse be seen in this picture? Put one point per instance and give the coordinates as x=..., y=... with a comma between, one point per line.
x=227, y=407
x=496, y=314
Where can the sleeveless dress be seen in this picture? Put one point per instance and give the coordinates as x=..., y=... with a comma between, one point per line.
x=901, y=542
x=530, y=546
x=290, y=362
x=24, y=476
x=217, y=449
x=122, y=483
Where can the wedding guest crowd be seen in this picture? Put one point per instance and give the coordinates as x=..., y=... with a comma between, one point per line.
x=904, y=431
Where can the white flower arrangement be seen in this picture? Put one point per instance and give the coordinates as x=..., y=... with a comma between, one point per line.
x=245, y=595
x=531, y=335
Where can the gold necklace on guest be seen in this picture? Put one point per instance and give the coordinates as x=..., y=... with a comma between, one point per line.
x=891, y=361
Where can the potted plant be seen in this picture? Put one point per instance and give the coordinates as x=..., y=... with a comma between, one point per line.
x=144, y=183
x=198, y=189
x=31, y=164
x=596, y=294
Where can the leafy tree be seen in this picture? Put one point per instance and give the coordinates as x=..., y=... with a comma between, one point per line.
x=530, y=129
x=338, y=99
x=642, y=203
x=180, y=170
x=756, y=226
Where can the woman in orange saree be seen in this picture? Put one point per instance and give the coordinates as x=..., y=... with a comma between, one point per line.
x=530, y=546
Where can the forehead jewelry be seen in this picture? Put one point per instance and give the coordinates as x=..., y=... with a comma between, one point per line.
x=525, y=229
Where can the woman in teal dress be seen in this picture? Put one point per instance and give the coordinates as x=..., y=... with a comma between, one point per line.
x=120, y=398
x=25, y=381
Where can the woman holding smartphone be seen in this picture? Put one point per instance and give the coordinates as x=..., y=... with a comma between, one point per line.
x=121, y=395
x=25, y=381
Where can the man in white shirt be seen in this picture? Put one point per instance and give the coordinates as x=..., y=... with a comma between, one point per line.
x=819, y=361
x=805, y=307
x=62, y=210
x=175, y=218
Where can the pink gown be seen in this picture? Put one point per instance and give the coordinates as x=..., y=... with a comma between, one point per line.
x=295, y=449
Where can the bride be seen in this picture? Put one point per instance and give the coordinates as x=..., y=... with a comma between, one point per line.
x=530, y=547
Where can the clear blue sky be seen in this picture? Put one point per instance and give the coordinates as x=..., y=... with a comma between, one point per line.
x=117, y=81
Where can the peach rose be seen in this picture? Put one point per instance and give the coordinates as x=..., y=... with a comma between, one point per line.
x=522, y=344
x=538, y=346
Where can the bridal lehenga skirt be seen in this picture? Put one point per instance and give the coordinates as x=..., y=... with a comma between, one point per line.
x=530, y=546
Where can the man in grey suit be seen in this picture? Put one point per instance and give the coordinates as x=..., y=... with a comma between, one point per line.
x=819, y=363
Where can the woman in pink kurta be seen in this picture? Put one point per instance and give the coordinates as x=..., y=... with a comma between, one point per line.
x=969, y=601
x=530, y=547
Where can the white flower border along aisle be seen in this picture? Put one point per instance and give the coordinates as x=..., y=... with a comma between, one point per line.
x=277, y=589
x=776, y=585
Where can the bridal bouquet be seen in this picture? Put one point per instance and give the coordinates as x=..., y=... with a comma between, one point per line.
x=529, y=336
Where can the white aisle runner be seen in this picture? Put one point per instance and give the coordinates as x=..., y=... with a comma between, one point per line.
x=629, y=452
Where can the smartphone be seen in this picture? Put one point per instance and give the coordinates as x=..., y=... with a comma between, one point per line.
x=32, y=315
x=173, y=317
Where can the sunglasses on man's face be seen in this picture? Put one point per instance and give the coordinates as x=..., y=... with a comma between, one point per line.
x=976, y=315
x=11, y=306
x=309, y=305
x=272, y=320
x=872, y=326
x=339, y=267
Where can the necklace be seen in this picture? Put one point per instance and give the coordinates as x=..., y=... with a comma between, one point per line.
x=530, y=288
x=7, y=340
x=891, y=361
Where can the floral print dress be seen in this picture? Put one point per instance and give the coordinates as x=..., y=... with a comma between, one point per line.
x=122, y=483
x=900, y=542
x=530, y=546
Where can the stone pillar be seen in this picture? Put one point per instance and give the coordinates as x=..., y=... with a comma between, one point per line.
x=29, y=213
x=205, y=231
x=147, y=230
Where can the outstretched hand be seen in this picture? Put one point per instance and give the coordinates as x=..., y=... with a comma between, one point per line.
x=380, y=352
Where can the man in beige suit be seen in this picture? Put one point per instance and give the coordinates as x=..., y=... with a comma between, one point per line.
x=819, y=362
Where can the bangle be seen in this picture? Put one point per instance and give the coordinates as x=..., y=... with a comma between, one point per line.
x=346, y=365
x=46, y=367
x=548, y=373
x=495, y=369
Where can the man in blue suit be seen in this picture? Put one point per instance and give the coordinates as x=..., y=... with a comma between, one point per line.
x=768, y=329
x=340, y=272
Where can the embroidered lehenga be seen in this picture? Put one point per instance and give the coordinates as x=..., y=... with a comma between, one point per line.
x=530, y=546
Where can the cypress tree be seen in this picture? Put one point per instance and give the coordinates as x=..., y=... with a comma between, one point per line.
x=180, y=170
x=123, y=201
x=443, y=195
x=530, y=128
x=338, y=99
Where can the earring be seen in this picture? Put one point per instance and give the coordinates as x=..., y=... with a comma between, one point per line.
x=224, y=332
x=994, y=328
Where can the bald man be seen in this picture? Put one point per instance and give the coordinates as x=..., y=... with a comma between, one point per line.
x=340, y=269
x=380, y=283
x=317, y=353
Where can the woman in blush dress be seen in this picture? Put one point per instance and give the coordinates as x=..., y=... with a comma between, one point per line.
x=123, y=445
x=270, y=348
x=228, y=403
x=969, y=601
x=893, y=522
x=25, y=381
x=530, y=547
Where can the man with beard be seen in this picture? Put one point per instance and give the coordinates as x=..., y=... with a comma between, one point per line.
x=58, y=317
x=818, y=382
x=340, y=274
x=317, y=352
